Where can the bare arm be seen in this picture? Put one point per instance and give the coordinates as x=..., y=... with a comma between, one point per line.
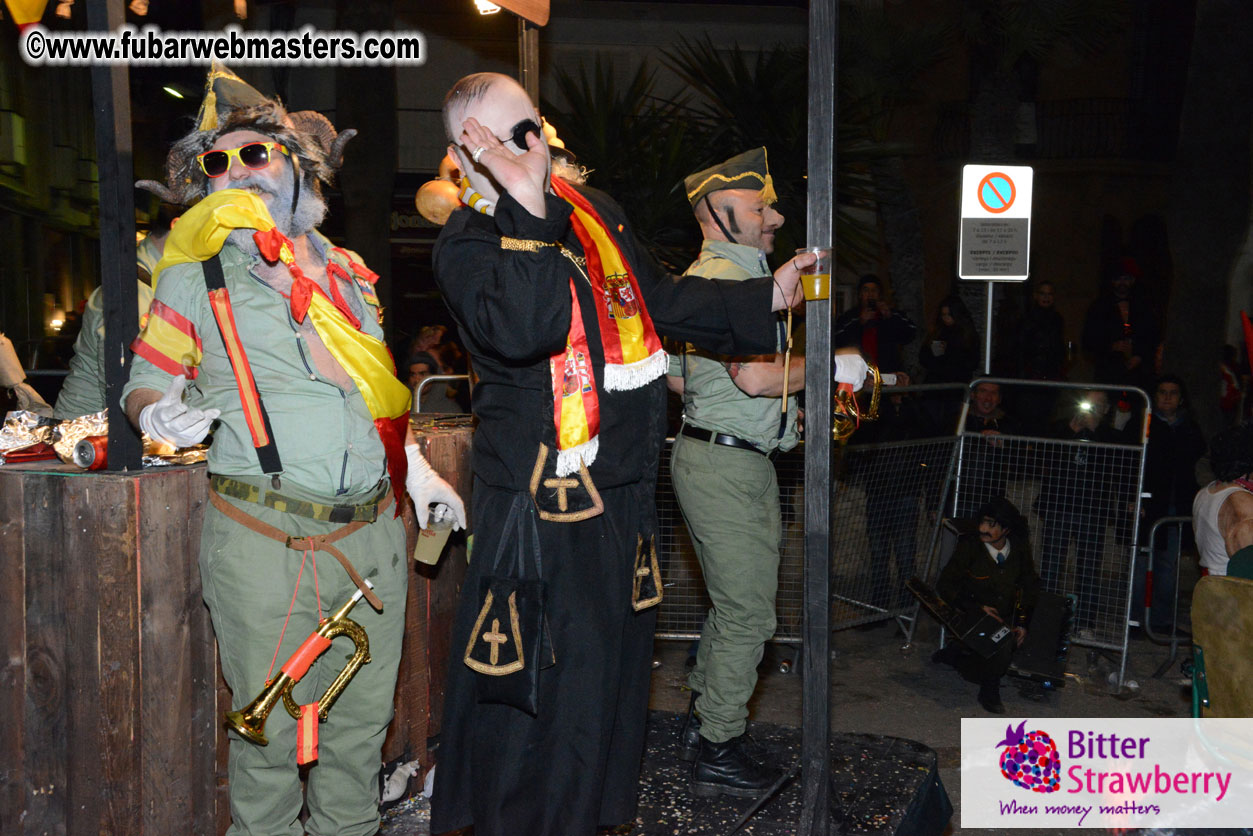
x=763, y=377
x=136, y=401
x=675, y=383
x=1235, y=521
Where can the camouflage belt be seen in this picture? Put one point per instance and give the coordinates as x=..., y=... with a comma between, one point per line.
x=236, y=489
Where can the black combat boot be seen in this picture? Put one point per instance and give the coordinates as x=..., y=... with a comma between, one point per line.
x=990, y=696
x=689, y=734
x=726, y=769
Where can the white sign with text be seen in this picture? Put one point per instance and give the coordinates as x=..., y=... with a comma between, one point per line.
x=995, y=243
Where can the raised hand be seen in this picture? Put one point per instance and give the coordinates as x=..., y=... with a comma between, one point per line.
x=524, y=176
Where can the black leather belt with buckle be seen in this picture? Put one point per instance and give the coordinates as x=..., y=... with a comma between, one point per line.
x=721, y=438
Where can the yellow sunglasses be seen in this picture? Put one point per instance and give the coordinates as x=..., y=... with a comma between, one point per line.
x=253, y=155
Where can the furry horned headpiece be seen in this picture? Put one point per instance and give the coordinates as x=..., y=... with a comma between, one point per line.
x=231, y=104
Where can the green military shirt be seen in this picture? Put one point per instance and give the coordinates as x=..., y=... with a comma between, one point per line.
x=711, y=400
x=82, y=393
x=325, y=434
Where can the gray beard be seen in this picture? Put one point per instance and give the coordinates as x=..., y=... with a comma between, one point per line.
x=309, y=214
x=310, y=209
x=242, y=238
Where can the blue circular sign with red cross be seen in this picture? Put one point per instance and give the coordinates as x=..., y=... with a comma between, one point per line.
x=996, y=192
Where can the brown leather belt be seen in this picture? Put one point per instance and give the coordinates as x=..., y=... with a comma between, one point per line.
x=319, y=542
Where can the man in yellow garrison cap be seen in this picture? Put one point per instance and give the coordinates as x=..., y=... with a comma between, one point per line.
x=736, y=417
x=264, y=331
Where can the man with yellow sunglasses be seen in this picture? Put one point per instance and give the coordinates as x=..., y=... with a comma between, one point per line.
x=265, y=332
x=251, y=155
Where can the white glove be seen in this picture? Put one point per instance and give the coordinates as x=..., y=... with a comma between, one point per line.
x=427, y=488
x=851, y=369
x=174, y=422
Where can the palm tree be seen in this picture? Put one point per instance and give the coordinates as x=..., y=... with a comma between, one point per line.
x=747, y=99
x=637, y=148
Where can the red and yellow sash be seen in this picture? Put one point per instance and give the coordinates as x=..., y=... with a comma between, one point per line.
x=633, y=353
x=200, y=235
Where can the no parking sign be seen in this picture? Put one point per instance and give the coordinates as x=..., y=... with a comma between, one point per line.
x=995, y=223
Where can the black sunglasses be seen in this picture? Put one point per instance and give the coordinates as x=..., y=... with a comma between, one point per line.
x=517, y=134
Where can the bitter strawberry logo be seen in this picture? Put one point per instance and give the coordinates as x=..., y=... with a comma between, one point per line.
x=1030, y=759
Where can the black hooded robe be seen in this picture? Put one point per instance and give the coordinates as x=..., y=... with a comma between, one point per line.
x=575, y=766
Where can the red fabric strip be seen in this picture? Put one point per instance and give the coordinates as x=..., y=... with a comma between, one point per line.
x=307, y=734
x=392, y=432
x=162, y=361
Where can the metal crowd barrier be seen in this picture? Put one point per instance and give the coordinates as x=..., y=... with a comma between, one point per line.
x=885, y=505
x=1173, y=553
x=1081, y=500
x=427, y=381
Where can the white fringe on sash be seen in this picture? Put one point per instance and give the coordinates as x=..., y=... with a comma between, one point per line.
x=619, y=378
x=569, y=461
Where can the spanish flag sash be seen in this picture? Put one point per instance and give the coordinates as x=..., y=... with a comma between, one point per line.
x=199, y=236
x=633, y=353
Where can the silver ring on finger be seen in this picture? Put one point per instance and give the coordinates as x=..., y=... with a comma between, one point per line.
x=478, y=152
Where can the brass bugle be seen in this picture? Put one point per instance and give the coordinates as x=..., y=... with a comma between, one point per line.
x=847, y=416
x=249, y=722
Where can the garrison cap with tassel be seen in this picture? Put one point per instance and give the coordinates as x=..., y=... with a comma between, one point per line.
x=743, y=171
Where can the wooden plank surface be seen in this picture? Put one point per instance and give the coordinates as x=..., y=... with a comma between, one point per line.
x=449, y=454
x=12, y=648
x=48, y=689
x=428, y=615
x=104, y=654
x=210, y=808
x=165, y=714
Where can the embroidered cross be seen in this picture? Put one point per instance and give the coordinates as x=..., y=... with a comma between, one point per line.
x=495, y=638
x=562, y=485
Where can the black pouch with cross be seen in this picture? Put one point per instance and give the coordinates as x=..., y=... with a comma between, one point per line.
x=510, y=642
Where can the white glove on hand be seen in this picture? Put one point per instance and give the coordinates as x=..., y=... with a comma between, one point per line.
x=851, y=369
x=427, y=488
x=174, y=422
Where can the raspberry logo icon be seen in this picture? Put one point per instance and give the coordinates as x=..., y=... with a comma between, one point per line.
x=1030, y=759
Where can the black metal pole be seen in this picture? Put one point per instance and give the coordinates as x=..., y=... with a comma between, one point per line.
x=528, y=58
x=111, y=106
x=820, y=228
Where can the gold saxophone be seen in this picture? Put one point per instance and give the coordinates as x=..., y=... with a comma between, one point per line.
x=847, y=416
x=249, y=721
